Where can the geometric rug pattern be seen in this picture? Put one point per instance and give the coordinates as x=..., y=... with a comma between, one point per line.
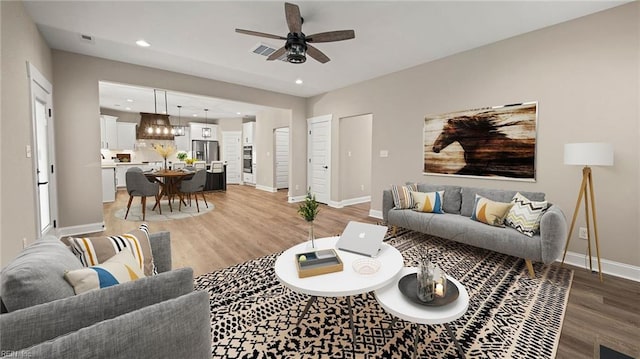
x=135, y=212
x=509, y=315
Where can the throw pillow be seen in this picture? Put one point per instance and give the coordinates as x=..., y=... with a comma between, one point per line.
x=402, y=195
x=430, y=202
x=525, y=215
x=96, y=250
x=490, y=212
x=120, y=268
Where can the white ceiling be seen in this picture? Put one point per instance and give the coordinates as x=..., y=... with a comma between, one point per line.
x=199, y=38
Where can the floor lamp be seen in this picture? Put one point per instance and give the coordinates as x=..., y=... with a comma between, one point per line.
x=587, y=154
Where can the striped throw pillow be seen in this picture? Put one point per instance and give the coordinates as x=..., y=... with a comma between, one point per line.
x=525, y=215
x=96, y=250
x=430, y=202
x=402, y=195
x=120, y=268
x=490, y=212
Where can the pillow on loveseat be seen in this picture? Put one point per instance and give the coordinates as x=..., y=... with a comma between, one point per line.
x=430, y=202
x=402, y=195
x=525, y=215
x=490, y=212
x=95, y=250
x=120, y=268
x=35, y=276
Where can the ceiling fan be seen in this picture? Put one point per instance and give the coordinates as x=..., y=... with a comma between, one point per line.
x=297, y=43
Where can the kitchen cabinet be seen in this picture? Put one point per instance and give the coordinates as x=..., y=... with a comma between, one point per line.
x=248, y=132
x=183, y=143
x=196, y=131
x=121, y=179
x=126, y=132
x=108, y=132
x=108, y=184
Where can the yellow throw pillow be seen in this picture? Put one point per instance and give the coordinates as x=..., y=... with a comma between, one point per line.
x=430, y=202
x=120, y=268
x=490, y=212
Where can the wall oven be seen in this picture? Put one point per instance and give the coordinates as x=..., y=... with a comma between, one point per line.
x=247, y=159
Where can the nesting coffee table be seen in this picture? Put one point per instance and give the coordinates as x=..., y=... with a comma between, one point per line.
x=394, y=302
x=345, y=283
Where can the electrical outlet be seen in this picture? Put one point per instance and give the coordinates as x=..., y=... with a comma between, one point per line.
x=582, y=233
x=297, y=187
x=362, y=187
x=24, y=243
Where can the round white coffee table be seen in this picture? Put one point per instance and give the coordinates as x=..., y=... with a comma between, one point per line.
x=394, y=302
x=345, y=283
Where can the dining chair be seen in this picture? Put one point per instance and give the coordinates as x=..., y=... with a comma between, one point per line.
x=139, y=186
x=193, y=186
x=200, y=165
x=178, y=165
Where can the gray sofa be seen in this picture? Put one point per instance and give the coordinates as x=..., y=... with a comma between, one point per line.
x=455, y=224
x=154, y=317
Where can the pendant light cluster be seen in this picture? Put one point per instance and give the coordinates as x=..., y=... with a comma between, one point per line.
x=206, y=131
x=179, y=129
x=159, y=126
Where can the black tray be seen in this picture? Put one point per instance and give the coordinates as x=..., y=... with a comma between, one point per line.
x=408, y=286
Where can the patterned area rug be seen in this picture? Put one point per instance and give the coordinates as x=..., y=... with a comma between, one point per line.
x=509, y=315
x=135, y=212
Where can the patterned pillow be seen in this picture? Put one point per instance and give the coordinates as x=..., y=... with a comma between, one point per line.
x=430, y=202
x=525, y=215
x=96, y=250
x=402, y=195
x=490, y=212
x=120, y=268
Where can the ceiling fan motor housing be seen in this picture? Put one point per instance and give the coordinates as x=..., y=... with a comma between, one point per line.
x=296, y=47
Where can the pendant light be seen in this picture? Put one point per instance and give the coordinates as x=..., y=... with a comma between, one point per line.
x=206, y=131
x=178, y=130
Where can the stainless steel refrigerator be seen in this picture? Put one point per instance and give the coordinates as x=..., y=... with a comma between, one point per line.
x=205, y=150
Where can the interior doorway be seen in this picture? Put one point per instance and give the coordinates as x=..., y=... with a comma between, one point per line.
x=281, y=157
x=319, y=157
x=232, y=154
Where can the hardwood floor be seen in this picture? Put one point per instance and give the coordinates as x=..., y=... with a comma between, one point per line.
x=248, y=223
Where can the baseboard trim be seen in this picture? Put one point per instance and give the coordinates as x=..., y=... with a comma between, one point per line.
x=82, y=229
x=375, y=214
x=296, y=199
x=349, y=202
x=267, y=189
x=610, y=267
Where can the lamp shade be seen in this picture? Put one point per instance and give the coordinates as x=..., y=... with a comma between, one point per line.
x=588, y=154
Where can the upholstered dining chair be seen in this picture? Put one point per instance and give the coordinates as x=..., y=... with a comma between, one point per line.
x=200, y=165
x=178, y=165
x=139, y=186
x=193, y=186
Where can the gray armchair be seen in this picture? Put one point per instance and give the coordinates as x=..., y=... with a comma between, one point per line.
x=153, y=317
x=194, y=186
x=139, y=186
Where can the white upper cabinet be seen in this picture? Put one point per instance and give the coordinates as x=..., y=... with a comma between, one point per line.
x=183, y=143
x=126, y=135
x=248, y=131
x=196, y=131
x=108, y=132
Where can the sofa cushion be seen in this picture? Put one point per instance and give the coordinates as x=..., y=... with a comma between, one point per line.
x=525, y=214
x=469, y=199
x=490, y=212
x=95, y=250
x=120, y=268
x=402, y=195
x=452, y=196
x=36, y=275
x=430, y=202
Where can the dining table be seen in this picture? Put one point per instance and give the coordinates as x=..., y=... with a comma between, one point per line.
x=169, y=182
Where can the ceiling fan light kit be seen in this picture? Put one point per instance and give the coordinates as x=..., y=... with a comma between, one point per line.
x=297, y=43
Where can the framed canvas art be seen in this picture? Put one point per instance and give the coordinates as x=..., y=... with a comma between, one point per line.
x=493, y=142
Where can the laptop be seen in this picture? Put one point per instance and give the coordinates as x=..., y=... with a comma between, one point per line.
x=362, y=238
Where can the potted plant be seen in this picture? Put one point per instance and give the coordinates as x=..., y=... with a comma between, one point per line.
x=182, y=155
x=308, y=210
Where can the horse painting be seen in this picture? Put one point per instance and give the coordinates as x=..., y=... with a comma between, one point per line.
x=487, y=149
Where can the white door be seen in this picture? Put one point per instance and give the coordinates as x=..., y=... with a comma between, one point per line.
x=319, y=157
x=282, y=157
x=232, y=153
x=42, y=148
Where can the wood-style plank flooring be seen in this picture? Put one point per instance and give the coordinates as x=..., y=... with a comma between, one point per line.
x=248, y=223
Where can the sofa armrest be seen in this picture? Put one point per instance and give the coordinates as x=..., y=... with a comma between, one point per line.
x=29, y=326
x=176, y=328
x=553, y=234
x=161, y=248
x=387, y=204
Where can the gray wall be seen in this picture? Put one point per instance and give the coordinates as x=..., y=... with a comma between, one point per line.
x=21, y=42
x=354, y=157
x=585, y=76
x=266, y=122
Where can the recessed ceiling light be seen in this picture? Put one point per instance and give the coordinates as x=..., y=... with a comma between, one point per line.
x=129, y=100
x=142, y=43
x=238, y=113
x=299, y=81
x=195, y=115
x=128, y=108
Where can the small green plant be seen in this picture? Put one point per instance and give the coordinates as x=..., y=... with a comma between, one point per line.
x=182, y=155
x=309, y=208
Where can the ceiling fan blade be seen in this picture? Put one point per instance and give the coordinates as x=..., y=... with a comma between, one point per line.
x=261, y=34
x=317, y=54
x=276, y=54
x=294, y=20
x=331, y=36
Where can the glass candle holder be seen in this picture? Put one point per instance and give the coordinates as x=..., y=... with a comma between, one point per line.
x=440, y=280
x=426, y=280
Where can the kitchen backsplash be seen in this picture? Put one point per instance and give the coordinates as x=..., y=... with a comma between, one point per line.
x=144, y=152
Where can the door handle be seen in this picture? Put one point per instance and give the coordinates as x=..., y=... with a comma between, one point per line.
x=42, y=183
x=325, y=167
